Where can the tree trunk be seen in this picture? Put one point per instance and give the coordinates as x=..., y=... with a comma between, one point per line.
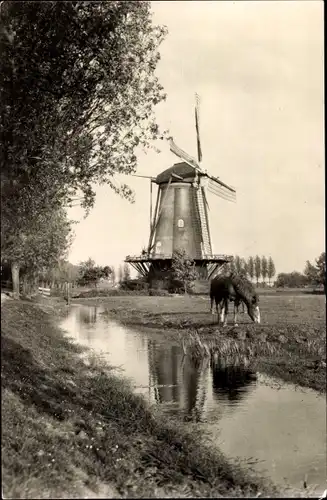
x=15, y=279
x=68, y=294
x=26, y=286
x=35, y=284
x=185, y=287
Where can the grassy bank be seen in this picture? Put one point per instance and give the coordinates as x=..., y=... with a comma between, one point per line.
x=70, y=428
x=290, y=343
x=108, y=291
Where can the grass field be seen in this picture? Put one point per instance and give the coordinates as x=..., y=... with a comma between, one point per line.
x=290, y=342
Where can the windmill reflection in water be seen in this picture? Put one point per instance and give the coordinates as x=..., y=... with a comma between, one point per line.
x=188, y=383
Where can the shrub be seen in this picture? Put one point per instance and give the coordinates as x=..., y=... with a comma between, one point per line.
x=134, y=284
x=157, y=292
x=109, y=293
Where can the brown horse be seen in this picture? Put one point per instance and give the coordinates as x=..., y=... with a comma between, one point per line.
x=235, y=289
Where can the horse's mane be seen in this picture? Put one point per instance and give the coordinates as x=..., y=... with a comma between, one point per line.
x=243, y=287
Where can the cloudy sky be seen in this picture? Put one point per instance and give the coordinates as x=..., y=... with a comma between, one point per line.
x=258, y=67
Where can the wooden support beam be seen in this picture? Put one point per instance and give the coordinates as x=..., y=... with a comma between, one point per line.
x=135, y=265
x=212, y=270
x=159, y=214
x=153, y=225
x=150, y=206
x=144, y=270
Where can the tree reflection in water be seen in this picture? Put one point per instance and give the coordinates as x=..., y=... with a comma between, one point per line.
x=165, y=371
x=195, y=377
x=88, y=316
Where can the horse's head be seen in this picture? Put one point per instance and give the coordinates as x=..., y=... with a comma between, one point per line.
x=253, y=308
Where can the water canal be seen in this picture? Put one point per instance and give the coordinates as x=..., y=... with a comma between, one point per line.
x=247, y=415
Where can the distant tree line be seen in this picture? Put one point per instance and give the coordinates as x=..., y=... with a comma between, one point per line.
x=262, y=269
x=254, y=268
x=258, y=269
x=313, y=275
x=183, y=274
x=124, y=273
x=86, y=273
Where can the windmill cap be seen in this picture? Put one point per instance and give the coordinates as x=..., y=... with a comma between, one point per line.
x=181, y=169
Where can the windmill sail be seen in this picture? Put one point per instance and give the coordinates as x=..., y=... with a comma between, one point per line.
x=221, y=183
x=183, y=155
x=203, y=216
x=197, y=126
x=219, y=188
x=221, y=191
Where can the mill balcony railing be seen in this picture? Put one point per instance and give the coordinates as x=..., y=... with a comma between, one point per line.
x=149, y=256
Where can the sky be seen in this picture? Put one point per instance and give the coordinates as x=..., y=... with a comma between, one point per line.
x=258, y=68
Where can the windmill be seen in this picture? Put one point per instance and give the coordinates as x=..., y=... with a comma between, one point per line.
x=180, y=218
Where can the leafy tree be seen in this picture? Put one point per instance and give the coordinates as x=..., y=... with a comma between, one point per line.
x=86, y=271
x=90, y=273
x=224, y=270
x=77, y=97
x=271, y=271
x=264, y=268
x=321, y=269
x=237, y=264
x=126, y=272
x=106, y=272
x=85, y=265
x=120, y=274
x=316, y=274
x=310, y=272
x=29, y=228
x=251, y=267
x=291, y=280
x=231, y=266
x=78, y=92
x=39, y=245
x=281, y=280
x=244, y=267
x=183, y=269
x=62, y=272
x=257, y=268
